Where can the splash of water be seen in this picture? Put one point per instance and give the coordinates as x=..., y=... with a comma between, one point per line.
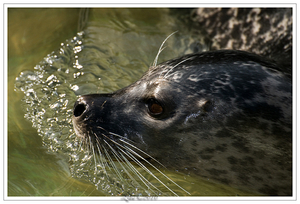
x=50, y=91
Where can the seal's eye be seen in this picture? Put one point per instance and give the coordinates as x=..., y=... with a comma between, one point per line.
x=154, y=107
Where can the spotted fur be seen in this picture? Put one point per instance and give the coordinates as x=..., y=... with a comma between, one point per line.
x=264, y=31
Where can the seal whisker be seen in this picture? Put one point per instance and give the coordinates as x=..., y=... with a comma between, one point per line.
x=148, y=155
x=111, y=133
x=120, y=136
x=91, y=147
x=80, y=146
x=118, y=159
x=156, y=58
x=140, y=176
x=95, y=158
x=148, y=171
x=130, y=167
x=105, y=156
x=145, y=168
x=87, y=145
x=159, y=171
x=101, y=156
x=101, y=128
x=165, y=76
x=108, y=157
x=161, y=49
x=113, y=164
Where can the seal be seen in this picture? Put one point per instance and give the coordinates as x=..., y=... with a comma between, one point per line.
x=223, y=115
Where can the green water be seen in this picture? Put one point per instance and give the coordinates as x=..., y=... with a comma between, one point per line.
x=31, y=170
x=118, y=47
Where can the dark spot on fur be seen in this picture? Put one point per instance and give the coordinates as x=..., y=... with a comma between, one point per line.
x=266, y=171
x=224, y=133
x=222, y=147
x=194, y=143
x=264, y=110
x=259, y=154
x=268, y=190
x=244, y=178
x=247, y=161
x=241, y=144
x=225, y=181
x=280, y=133
x=232, y=160
x=258, y=178
x=207, y=153
x=216, y=172
x=209, y=150
x=205, y=136
x=282, y=176
x=235, y=31
x=206, y=157
x=266, y=27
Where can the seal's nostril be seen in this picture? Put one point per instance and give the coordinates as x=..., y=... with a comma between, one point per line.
x=79, y=109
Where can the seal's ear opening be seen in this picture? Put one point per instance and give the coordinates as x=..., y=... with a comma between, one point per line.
x=208, y=106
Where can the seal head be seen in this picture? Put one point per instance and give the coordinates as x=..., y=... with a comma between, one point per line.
x=222, y=115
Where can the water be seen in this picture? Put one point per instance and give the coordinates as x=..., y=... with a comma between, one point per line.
x=115, y=48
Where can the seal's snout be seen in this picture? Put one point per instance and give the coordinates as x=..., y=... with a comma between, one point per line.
x=90, y=105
